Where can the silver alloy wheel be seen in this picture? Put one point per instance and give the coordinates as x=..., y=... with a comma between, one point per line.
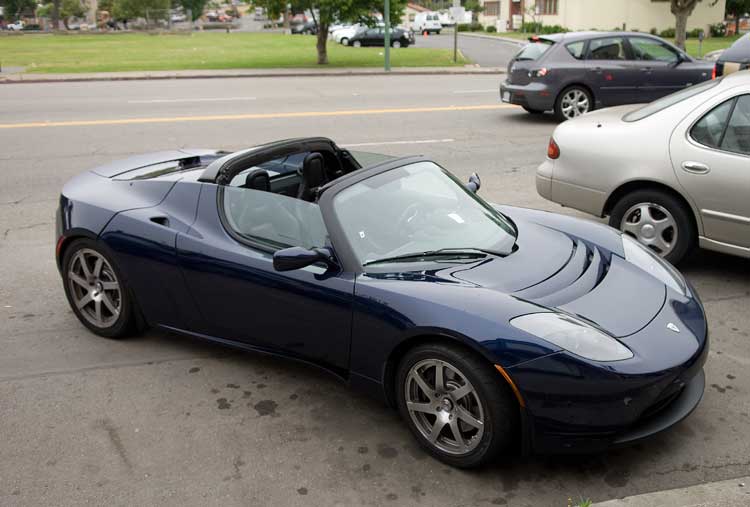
x=345, y=41
x=444, y=406
x=357, y=44
x=396, y=44
x=652, y=225
x=94, y=287
x=574, y=103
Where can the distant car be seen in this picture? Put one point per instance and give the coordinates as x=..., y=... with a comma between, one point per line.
x=376, y=37
x=306, y=28
x=260, y=14
x=178, y=17
x=489, y=328
x=344, y=35
x=735, y=57
x=13, y=27
x=674, y=174
x=427, y=22
x=573, y=73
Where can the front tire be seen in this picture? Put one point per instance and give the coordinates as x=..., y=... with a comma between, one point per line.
x=658, y=220
x=455, y=404
x=357, y=44
x=96, y=290
x=345, y=41
x=396, y=44
x=572, y=102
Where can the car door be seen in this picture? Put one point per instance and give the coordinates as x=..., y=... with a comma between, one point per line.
x=227, y=260
x=610, y=71
x=661, y=68
x=710, y=152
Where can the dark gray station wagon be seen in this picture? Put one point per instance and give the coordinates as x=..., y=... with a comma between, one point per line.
x=573, y=73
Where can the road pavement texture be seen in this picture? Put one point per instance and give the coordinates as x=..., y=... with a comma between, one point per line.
x=165, y=419
x=484, y=51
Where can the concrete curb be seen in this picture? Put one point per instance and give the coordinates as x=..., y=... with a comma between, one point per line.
x=517, y=42
x=731, y=493
x=260, y=73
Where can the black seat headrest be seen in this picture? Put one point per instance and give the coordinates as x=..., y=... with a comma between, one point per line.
x=258, y=179
x=313, y=176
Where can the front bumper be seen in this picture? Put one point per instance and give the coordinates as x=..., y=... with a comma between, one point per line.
x=535, y=95
x=578, y=406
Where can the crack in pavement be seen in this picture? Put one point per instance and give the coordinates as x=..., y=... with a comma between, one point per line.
x=15, y=229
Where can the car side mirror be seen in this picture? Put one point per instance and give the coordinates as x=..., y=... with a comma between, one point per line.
x=297, y=257
x=475, y=183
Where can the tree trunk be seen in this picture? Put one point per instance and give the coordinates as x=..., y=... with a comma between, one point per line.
x=56, y=14
x=322, y=44
x=680, y=29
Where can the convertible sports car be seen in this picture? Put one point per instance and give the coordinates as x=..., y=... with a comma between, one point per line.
x=488, y=327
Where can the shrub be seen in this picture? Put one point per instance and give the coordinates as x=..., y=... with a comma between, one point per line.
x=694, y=33
x=491, y=29
x=542, y=29
x=654, y=31
x=718, y=30
x=669, y=33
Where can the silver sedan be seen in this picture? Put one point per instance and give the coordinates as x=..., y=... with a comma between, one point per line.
x=674, y=173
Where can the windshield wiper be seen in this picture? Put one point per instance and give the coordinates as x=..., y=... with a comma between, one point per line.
x=470, y=253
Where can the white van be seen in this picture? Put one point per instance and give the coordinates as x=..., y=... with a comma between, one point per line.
x=427, y=22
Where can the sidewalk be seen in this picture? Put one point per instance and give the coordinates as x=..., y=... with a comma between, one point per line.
x=238, y=73
x=731, y=493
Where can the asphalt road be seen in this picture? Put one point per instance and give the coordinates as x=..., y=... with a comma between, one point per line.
x=163, y=419
x=484, y=51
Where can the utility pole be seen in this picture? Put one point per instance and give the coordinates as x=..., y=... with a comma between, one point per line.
x=455, y=10
x=387, y=16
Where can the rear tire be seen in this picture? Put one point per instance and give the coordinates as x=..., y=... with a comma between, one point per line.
x=345, y=41
x=573, y=101
x=96, y=290
x=464, y=430
x=357, y=44
x=396, y=44
x=657, y=220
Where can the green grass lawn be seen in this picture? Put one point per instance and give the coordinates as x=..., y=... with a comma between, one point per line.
x=132, y=52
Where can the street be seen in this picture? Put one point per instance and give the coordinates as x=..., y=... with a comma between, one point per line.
x=165, y=419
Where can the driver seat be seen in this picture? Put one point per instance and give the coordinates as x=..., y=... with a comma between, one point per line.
x=313, y=177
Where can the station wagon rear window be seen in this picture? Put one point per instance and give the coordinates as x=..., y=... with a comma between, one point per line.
x=533, y=50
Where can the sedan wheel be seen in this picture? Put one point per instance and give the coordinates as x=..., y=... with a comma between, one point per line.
x=357, y=44
x=455, y=404
x=573, y=102
x=95, y=291
x=658, y=220
x=396, y=44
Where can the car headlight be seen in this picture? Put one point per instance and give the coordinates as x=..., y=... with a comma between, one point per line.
x=642, y=257
x=573, y=335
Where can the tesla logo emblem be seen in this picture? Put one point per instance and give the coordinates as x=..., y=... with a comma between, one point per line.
x=672, y=327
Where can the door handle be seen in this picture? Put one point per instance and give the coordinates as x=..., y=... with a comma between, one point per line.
x=161, y=220
x=695, y=167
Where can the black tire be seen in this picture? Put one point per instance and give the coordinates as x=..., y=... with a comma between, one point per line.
x=499, y=408
x=684, y=238
x=345, y=41
x=532, y=111
x=559, y=113
x=396, y=44
x=125, y=323
x=438, y=32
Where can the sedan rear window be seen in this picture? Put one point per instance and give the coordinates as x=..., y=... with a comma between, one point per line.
x=669, y=100
x=533, y=50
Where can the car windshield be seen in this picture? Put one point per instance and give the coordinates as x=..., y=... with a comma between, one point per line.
x=419, y=209
x=669, y=100
x=533, y=50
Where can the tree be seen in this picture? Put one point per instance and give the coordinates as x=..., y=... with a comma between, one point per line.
x=473, y=7
x=682, y=9
x=737, y=8
x=194, y=6
x=15, y=8
x=131, y=9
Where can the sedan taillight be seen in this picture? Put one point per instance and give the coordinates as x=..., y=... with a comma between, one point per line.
x=713, y=72
x=553, y=150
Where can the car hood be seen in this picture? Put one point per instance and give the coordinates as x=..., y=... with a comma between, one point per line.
x=569, y=265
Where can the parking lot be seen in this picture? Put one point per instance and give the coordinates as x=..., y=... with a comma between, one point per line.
x=170, y=420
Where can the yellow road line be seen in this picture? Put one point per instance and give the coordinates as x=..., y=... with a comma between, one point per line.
x=251, y=116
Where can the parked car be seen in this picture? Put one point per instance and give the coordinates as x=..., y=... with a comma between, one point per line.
x=17, y=26
x=427, y=22
x=673, y=174
x=488, y=327
x=376, y=37
x=573, y=73
x=344, y=35
x=735, y=57
x=304, y=28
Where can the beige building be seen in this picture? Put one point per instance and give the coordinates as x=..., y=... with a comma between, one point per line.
x=640, y=15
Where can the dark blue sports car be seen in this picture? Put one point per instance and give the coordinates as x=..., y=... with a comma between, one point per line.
x=488, y=327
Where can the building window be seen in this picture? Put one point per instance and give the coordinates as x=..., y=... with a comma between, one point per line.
x=491, y=9
x=547, y=7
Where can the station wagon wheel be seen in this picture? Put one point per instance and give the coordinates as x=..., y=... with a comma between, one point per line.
x=396, y=44
x=572, y=102
x=456, y=404
x=95, y=290
x=658, y=220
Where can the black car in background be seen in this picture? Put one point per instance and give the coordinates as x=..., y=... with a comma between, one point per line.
x=573, y=73
x=376, y=37
x=735, y=57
